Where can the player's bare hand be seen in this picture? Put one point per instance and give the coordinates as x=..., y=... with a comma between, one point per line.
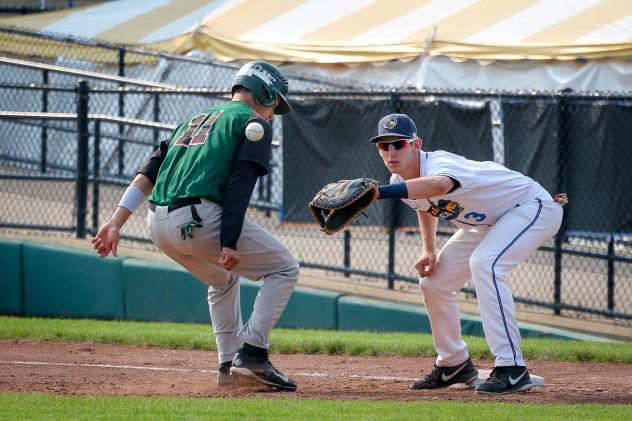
x=229, y=258
x=426, y=264
x=107, y=239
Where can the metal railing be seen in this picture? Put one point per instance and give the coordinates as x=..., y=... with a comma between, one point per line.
x=83, y=177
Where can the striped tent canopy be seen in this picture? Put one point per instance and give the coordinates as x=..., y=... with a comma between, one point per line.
x=355, y=31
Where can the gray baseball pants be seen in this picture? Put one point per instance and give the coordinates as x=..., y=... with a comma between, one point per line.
x=263, y=257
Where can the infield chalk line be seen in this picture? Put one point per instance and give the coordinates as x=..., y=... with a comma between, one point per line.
x=188, y=370
x=483, y=374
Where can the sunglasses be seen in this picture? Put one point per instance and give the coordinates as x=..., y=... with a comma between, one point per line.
x=397, y=144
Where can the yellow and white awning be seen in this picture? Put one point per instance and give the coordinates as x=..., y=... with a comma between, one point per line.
x=355, y=31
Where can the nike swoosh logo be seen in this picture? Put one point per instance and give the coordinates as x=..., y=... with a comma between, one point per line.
x=513, y=382
x=450, y=376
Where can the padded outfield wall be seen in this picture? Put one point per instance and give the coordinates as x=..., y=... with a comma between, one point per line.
x=46, y=280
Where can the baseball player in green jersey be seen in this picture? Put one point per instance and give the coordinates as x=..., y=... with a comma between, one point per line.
x=201, y=181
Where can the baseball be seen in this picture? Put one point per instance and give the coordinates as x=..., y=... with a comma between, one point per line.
x=254, y=132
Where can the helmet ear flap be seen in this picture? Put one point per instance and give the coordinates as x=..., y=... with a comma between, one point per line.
x=267, y=97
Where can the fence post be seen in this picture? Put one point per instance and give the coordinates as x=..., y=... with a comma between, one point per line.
x=268, y=180
x=611, y=273
x=392, y=226
x=83, y=137
x=156, y=117
x=561, y=160
x=557, y=282
x=96, y=175
x=121, y=109
x=393, y=210
x=347, y=253
x=260, y=188
x=44, y=139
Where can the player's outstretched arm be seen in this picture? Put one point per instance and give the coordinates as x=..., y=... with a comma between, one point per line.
x=107, y=238
x=425, y=187
x=416, y=188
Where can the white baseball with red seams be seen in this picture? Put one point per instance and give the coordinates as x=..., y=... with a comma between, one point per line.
x=503, y=217
x=254, y=132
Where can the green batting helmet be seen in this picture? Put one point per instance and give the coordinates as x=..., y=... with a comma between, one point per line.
x=266, y=82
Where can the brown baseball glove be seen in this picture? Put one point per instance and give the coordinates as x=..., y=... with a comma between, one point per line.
x=339, y=204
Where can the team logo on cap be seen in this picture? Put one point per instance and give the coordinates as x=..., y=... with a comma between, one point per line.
x=445, y=209
x=390, y=123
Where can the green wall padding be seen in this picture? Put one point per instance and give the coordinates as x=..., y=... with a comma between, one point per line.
x=311, y=308
x=531, y=330
x=160, y=291
x=70, y=282
x=471, y=325
x=355, y=313
x=307, y=308
x=11, y=297
x=45, y=280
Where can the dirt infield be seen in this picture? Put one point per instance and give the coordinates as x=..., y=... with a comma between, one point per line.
x=98, y=369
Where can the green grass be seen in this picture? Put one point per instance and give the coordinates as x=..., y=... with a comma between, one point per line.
x=28, y=406
x=290, y=341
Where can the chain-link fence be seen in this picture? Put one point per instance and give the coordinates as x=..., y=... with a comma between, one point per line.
x=572, y=143
x=575, y=143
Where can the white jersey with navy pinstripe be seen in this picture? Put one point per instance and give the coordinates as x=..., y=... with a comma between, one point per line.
x=486, y=190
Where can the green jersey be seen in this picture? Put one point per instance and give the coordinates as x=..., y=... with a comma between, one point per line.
x=202, y=150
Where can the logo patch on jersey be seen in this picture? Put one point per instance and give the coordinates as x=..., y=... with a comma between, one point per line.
x=445, y=209
x=390, y=123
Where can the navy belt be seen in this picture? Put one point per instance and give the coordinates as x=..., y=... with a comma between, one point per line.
x=178, y=204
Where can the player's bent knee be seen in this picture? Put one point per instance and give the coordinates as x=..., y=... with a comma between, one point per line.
x=293, y=273
x=430, y=285
x=480, y=263
x=291, y=270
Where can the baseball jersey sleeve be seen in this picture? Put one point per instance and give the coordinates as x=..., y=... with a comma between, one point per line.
x=241, y=183
x=257, y=151
x=152, y=165
x=462, y=177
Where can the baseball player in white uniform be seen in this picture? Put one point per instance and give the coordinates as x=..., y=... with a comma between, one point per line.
x=503, y=216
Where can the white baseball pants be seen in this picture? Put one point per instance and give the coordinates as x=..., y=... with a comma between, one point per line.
x=262, y=257
x=487, y=257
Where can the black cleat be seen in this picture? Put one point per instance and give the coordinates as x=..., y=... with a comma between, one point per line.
x=261, y=370
x=505, y=380
x=447, y=376
x=224, y=378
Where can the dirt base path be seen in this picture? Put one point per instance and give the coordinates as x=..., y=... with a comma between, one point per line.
x=98, y=369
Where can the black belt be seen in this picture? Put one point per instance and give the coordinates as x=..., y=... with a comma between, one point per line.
x=179, y=204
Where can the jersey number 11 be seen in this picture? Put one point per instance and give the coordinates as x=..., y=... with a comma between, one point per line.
x=194, y=134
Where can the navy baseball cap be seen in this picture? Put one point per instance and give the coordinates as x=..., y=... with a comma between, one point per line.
x=395, y=125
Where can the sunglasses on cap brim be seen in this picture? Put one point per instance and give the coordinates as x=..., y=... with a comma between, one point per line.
x=397, y=144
